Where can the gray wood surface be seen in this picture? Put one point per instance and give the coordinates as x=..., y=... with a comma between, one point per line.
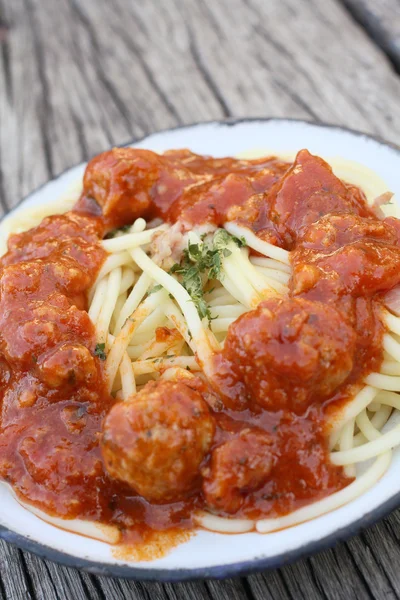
x=381, y=19
x=77, y=76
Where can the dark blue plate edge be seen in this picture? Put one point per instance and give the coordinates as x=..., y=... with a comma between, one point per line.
x=254, y=565
x=249, y=567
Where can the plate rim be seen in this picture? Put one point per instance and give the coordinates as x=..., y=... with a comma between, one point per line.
x=222, y=571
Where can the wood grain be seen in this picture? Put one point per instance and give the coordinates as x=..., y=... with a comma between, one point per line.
x=79, y=76
x=382, y=21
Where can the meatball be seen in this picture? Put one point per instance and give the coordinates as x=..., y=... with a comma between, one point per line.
x=52, y=233
x=238, y=467
x=351, y=254
x=334, y=231
x=67, y=364
x=157, y=439
x=287, y=354
x=41, y=326
x=128, y=182
x=309, y=190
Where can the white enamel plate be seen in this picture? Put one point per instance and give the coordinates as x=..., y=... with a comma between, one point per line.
x=209, y=554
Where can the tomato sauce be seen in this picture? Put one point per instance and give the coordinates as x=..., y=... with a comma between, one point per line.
x=284, y=366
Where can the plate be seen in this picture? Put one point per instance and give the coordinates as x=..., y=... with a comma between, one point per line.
x=207, y=554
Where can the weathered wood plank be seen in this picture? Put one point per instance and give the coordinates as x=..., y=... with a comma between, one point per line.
x=382, y=20
x=118, y=71
x=23, y=164
x=77, y=77
x=52, y=581
x=15, y=581
x=321, y=66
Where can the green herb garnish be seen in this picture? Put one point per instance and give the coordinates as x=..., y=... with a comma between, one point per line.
x=154, y=289
x=114, y=232
x=222, y=238
x=100, y=351
x=201, y=263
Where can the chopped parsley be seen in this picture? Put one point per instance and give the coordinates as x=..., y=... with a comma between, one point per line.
x=100, y=351
x=114, y=232
x=154, y=289
x=222, y=238
x=201, y=263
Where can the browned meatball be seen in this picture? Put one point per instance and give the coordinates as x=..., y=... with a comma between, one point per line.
x=287, y=353
x=307, y=191
x=129, y=183
x=67, y=364
x=238, y=467
x=348, y=253
x=157, y=440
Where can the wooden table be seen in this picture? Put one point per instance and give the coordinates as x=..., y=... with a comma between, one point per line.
x=77, y=76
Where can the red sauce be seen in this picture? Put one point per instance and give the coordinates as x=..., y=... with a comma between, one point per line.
x=283, y=368
x=175, y=185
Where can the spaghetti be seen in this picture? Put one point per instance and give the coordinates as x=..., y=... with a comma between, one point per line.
x=357, y=435
x=233, y=296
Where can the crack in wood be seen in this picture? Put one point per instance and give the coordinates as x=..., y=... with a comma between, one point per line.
x=5, y=51
x=315, y=579
x=389, y=42
x=297, y=99
x=3, y=202
x=96, y=584
x=281, y=49
x=151, y=79
x=203, y=69
x=81, y=136
x=45, y=109
x=4, y=27
x=107, y=83
x=3, y=594
x=28, y=579
x=359, y=571
x=207, y=76
x=247, y=588
x=284, y=582
x=364, y=537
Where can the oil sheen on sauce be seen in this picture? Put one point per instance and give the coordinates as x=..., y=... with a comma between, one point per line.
x=53, y=393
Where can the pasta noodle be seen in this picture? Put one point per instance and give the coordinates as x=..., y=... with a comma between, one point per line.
x=152, y=329
x=355, y=438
